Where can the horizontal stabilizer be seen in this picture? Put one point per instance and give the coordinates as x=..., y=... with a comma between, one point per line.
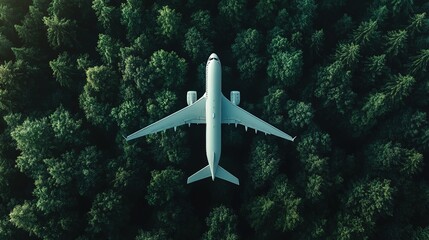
x=201, y=174
x=225, y=175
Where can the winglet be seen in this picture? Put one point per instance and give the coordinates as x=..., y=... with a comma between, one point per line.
x=124, y=138
x=293, y=139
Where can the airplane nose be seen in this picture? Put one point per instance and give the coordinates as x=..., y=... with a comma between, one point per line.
x=213, y=56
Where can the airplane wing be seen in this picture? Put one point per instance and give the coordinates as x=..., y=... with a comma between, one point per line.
x=236, y=115
x=195, y=113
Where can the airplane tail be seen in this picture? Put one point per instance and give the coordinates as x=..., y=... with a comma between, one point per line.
x=220, y=173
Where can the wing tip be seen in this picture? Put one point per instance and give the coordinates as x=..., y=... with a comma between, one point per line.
x=293, y=139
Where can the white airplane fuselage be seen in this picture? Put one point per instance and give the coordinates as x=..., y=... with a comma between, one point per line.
x=213, y=112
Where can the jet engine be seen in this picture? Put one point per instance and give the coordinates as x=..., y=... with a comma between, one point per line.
x=191, y=97
x=235, y=97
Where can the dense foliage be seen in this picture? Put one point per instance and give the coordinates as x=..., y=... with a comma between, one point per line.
x=349, y=78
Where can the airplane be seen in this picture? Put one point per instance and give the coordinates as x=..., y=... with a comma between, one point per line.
x=212, y=109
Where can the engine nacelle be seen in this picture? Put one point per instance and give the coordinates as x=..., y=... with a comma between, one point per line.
x=235, y=97
x=191, y=97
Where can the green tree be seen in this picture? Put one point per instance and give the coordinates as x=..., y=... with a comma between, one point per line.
x=135, y=72
x=248, y=67
x=376, y=105
x=108, y=48
x=196, y=45
x=395, y=41
x=374, y=68
x=161, y=105
x=24, y=216
x=64, y=70
x=107, y=214
x=6, y=12
x=260, y=213
x=32, y=31
x=420, y=62
x=366, y=202
x=168, y=22
x=334, y=87
x=409, y=127
x=169, y=147
x=317, y=40
x=314, y=164
x=165, y=186
x=394, y=160
x=100, y=79
x=314, y=187
x=17, y=86
x=300, y=113
x=166, y=192
x=278, y=44
x=99, y=89
x=314, y=142
x=52, y=169
x=105, y=12
x=171, y=219
x=264, y=163
x=246, y=49
x=316, y=229
x=232, y=11
x=51, y=196
x=222, y=224
x=366, y=32
x=66, y=129
x=304, y=16
x=399, y=88
x=285, y=68
x=274, y=109
x=61, y=31
x=61, y=7
x=89, y=170
x=202, y=21
x=347, y=54
x=132, y=18
x=246, y=43
x=127, y=114
x=165, y=70
x=31, y=138
x=280, y=207
x=417, y=23
x=265, y=9
x=31, y=56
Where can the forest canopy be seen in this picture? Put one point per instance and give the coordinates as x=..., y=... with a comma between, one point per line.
x=349, y=78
